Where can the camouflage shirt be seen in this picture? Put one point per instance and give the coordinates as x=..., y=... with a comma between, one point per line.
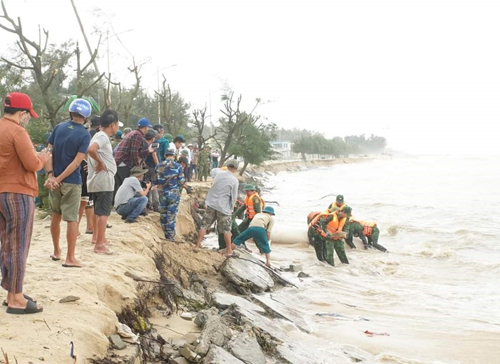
x=169, y=175
x=203, y=158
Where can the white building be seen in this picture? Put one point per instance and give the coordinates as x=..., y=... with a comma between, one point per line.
x=283, y=148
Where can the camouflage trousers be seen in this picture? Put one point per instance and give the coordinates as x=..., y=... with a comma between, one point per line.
x=338, y=246
x=234, y=233
x=169, y=205
x=373, y=240
x=318, y=244
x=203, y=171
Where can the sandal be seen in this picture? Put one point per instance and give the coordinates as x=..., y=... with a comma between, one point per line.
x=31, y=307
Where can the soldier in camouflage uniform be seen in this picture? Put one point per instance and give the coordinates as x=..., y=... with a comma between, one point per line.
x=203, y=164
x=315, y=239
x=368, y=232
x=329, y=226
x=170, y=178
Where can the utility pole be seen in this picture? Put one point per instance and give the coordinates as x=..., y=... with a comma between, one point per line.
x=158, y=94
x=84, y=35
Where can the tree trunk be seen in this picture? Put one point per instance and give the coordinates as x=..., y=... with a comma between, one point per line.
x=245, y=165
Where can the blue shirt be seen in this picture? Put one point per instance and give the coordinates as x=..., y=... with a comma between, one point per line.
x=68, y=139
x=169, y=175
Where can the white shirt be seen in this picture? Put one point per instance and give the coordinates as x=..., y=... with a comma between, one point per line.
x=104, y=181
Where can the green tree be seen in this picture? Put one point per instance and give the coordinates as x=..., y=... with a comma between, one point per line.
x=255, y=144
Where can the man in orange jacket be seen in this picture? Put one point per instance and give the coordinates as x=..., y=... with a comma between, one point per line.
x=330, y=226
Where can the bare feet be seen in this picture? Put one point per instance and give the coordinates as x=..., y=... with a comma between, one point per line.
x=72, y=264
x=104, y=250
x=106, y=242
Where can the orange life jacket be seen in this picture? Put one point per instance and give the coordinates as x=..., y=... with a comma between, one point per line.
x=315, y=219
x=335, y=225
x=249, y=204
x=312, y=215
x=368, y=227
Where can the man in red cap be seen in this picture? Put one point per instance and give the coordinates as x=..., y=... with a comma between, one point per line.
x=19, y=163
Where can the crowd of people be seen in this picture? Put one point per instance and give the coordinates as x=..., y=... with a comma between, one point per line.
x=93, y=167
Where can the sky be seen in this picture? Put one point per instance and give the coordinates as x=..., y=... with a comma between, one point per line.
x=423, y=74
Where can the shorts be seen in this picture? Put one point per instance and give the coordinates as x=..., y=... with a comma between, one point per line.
x=223, y=221
x=65, y=201
x=103, y=202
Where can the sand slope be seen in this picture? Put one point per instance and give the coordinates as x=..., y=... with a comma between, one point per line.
x=102, y=286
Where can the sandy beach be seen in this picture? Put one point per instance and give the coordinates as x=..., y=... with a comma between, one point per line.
x=104, y=287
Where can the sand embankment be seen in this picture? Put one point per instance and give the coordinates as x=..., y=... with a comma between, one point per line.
x=102, y=286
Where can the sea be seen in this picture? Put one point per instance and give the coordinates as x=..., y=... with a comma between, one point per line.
x=434, y=297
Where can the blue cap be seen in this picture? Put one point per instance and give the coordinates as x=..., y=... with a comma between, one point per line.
x=169, y=152
x=143, y=123
x=119, y=134
x=269, y=210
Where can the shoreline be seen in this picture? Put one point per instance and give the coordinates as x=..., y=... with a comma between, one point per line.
x=105, y=288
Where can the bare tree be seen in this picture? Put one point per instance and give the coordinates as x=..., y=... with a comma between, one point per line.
x=127, y=107
x=35, y=52
x=231, y=125
x=82, y=86
x=199, y=123
x=43, y=66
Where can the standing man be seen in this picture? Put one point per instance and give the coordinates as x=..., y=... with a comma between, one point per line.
x=315, y=238
x=95, y=125
x=204, y=164
x=176, y=145
x=170, y=178
x=131, y=152
x=215, y=159
x=220, y=201
x=194, y=164
x=101, y=177
x=69, y=141
x=260, y=231
x=338, y=204
x=189, y=173
x=117, y=139
x=329, y=227
x=19, y=163
x=163, y=143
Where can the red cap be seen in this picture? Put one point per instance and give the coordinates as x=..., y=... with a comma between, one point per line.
x=18, y=100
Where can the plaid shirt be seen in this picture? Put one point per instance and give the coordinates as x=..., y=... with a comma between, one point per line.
x=131, y=150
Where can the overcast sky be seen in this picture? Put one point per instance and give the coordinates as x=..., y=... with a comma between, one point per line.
x=424, y=74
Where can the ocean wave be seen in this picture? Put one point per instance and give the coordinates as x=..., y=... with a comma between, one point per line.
x=394, y=230
x=396, y=359
x=383, y=204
